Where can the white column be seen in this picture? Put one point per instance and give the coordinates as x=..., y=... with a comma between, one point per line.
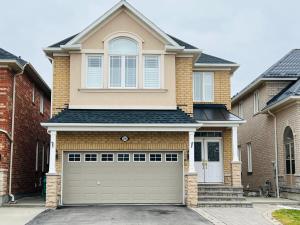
x=191, y=152
x=52, y=167
x=235, y=150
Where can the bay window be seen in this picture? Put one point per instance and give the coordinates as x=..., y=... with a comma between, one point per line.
x=203, y=86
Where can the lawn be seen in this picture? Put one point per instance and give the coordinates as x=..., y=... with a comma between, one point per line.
x=287, y=216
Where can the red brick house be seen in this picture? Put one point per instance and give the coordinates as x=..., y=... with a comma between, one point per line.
x=24, y=144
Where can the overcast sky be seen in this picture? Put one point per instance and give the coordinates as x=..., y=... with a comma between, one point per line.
x=254, y=34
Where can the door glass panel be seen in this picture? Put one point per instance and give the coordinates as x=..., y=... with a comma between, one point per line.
x=213, y=149
x=198, y=152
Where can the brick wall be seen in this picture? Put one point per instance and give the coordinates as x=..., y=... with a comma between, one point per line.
x=61, y=83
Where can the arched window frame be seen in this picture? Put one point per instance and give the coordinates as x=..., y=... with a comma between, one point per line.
x=289, y=148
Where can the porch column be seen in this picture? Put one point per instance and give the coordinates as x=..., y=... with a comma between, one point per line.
x=236, y=163
x=52, y=167
x=235, y=150
x=191, y=152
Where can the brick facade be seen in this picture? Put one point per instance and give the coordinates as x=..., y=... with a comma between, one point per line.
x=25, y=179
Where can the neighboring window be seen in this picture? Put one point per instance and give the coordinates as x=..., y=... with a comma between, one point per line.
x=155, y=157
x=240, y=110
x=249, y=153
x=289, y=151
x=107, y=157
x=41, y=103
x=123, y=157
x=198, y=151
x=33, y=93
x=256, y=102
x=240, y=153
x=171, y=157
x=123, y=54
x=37, y=156
x=90, y=157
x=94, y=77
x=139, y=157
x=74, y=157
x=151, y=71
x=203, y=86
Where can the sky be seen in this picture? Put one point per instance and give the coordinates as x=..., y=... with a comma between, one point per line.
x=255, y=34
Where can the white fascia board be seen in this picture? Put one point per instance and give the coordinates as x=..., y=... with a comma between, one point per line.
x=216, y=65
x=194, y=51
x=122, y=107
x=221, y=123
x=71, y=47
x=286, y=100
x=50, y=50
x=12, y=61
x=113, y=10
x=172, y=48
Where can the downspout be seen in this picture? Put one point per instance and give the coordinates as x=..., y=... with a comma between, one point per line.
x=276, y=153
x=12, y=135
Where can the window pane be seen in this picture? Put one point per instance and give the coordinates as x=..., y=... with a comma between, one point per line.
x=151, y=72
x=293, y=166
x=171, y=157
x=115, y=71
x=197, y=86
x=90, y=157
x=198, y=151
x=123, y=157
x=208, y=82
x=94, y=71
x=249, y=151
x=74, y=157
x=288, y=166
x=213, y=151
x=107, y=157
x=137, y=157
x=155, y=157
x=123, y=46
x=130, y=71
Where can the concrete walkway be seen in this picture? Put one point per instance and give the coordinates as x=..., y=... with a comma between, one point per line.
x=18, y=215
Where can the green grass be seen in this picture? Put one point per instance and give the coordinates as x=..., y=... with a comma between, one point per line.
x=287, y=216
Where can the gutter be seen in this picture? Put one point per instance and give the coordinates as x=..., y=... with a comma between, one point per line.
x=6, y=133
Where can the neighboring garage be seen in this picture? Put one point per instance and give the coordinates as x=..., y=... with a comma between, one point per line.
x=123, y=177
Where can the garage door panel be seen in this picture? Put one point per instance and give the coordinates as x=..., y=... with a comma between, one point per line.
x=122, y=182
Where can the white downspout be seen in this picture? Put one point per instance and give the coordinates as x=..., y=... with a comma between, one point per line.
x=276, y=153
x=12, y=135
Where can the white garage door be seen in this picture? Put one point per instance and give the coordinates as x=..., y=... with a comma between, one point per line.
x=122, y=177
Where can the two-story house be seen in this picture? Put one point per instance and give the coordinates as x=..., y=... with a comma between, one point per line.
x=139, y=116
x=269, y=141
x=24, y=143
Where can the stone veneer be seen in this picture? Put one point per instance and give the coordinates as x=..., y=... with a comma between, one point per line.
x=191, y=189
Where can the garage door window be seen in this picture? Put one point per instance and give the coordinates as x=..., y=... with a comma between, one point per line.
x=123, y=157
x=74, y=157
x=139, y=157
x=90, y=157
x=155, y=157
x=171, y=157
x=107, y=157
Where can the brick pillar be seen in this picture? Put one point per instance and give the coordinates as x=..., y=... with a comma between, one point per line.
x=191, y=190
x=236, y=174
x=52, y=191
x=3, y=186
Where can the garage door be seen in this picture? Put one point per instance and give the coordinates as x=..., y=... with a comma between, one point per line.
x=124, y=177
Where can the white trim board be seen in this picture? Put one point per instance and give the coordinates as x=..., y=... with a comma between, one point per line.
x=150, y=107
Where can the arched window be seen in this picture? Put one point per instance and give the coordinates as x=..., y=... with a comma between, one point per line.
x=123, y=54
x=288, y=138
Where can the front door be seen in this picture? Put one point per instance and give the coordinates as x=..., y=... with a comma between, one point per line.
x=209, y=160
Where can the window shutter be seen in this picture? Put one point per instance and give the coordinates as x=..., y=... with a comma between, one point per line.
x=94, y=71
x=151, y=71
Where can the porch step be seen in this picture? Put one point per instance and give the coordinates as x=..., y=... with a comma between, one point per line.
x=225, y=204
x=221, y=193
x=220, y=198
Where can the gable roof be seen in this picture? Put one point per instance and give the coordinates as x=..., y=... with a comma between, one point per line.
x=5, y=55
x=63, y=42
x=209, y=59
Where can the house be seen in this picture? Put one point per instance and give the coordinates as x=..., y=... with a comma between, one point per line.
x=270, y=104
x=139, y=116
x=24, y=143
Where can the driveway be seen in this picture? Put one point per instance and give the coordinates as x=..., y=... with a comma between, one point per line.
x=120, y=215
x=18, y=215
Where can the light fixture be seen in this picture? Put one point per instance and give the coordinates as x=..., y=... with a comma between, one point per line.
x=124, y=138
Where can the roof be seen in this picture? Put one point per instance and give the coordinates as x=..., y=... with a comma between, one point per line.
x=63, y=42
x=5, y=55
x=209, y=59
x=213, y=112
x=288, y=66
x=122, y=116
x=291, y=90
x=182, y=43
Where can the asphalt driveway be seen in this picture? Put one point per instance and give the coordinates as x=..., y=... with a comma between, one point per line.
x=120, y=215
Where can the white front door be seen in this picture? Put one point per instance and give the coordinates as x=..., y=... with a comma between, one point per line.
x=209, y=160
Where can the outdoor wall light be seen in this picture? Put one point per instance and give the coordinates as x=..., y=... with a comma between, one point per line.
x=124, y=138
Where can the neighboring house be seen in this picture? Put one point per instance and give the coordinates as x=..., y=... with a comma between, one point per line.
x=24, y=143
x=271, y=104
x=139, y=116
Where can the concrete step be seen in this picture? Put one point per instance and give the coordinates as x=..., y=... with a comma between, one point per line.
x=220, y=188
x=221, y=193
x=220, y=198
x=240, y=204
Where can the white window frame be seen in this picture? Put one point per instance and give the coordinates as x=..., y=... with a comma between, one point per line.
x=113, y=157
x=37, y=156
x=90, y=154
x=139, y=157
x=159, y=71
x=256, y=102
x=202, y=88
x=101, y=85
x=74, y=154
x=41, y=103
x=249, y=156
x=33, y=93
x=240, y=110
x=161, y=158
x=171, y=153
x=123, y=157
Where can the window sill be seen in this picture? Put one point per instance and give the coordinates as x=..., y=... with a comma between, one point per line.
x=112, y=90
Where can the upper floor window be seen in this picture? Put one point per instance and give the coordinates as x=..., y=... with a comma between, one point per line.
x=151, y=71
x=240, y=110
x=203, y=86
x=123, y=55
x=256, y=102
x=94, y=71
x=41, y=103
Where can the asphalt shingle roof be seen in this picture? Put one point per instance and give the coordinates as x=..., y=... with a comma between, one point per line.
x=63, y=42
x=5, y=55
x=122, y=116
x=182, y=43
x=209, y=59
x=287, y=67
x=213, y=112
